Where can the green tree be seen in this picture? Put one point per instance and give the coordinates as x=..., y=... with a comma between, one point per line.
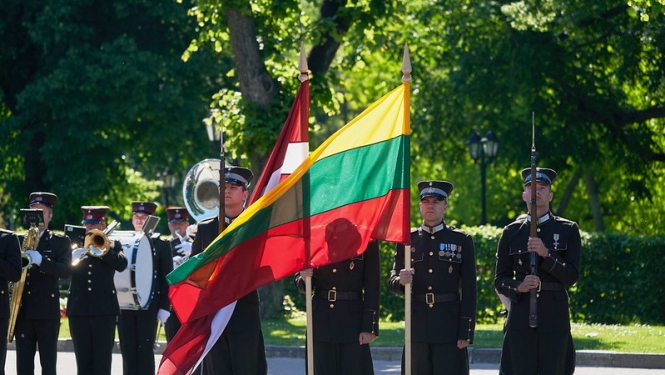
x=96, y=100
x=591, y=73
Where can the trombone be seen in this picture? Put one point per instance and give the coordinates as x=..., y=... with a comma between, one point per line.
x=97, y=242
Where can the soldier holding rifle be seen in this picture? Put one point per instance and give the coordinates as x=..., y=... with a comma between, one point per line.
x=546, y=347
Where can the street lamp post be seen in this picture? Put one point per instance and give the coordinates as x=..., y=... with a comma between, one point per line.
x=483, y=150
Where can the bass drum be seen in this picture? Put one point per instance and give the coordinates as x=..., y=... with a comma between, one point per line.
x=134, y=284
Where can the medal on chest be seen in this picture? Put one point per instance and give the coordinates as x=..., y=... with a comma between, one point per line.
x=556, y=240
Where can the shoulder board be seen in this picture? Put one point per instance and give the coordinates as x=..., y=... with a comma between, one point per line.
x=518, y=222
x=415, y=229
x=5, y=231
x=56, y=234
x=207, y=221
x=563, y=220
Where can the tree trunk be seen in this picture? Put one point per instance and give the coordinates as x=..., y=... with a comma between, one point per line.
x=259, y=88
x=567, y=194
x=272, y=298
x=594, y=200
x=256, y=85
x=323, y=53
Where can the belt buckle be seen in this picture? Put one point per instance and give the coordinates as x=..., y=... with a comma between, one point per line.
x=332, y=295
x=429, y=298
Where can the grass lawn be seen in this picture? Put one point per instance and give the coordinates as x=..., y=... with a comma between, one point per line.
x=627, y=339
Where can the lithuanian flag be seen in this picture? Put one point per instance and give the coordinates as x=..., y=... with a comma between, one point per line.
x=351, y=190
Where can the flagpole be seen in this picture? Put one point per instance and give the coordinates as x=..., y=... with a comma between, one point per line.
x=406, y=78
x=303, y=68
x=222, y=178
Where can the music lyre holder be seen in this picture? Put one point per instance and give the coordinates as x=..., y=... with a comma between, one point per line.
x=31, y=216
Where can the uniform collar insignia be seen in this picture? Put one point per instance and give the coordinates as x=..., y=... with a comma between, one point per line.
x=432, y=230
x=543, y=219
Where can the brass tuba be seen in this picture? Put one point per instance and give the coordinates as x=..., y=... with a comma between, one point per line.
x=30, y=242
x=200, y=189
x=97, y=242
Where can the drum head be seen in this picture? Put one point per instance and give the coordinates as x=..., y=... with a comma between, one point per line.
x=143, y=275
x=134, y=284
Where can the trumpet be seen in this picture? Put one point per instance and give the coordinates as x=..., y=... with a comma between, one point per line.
x=97, y=242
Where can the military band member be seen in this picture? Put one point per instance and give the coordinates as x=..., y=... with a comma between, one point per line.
x=345, y=313
x=38, y=321
x=547, y=349
x=181, y=248
x=443, y=277
x=92, y=306
x=10, y=270
x=240, y=350
x=137, y=328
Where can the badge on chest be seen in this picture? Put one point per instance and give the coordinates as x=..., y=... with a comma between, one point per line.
x=450, y=252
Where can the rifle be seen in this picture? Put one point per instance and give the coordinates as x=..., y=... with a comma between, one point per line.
x=533, y=318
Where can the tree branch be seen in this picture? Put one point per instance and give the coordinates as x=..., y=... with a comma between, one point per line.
x=321, y=56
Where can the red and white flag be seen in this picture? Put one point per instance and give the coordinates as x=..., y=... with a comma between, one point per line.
x=196, y=337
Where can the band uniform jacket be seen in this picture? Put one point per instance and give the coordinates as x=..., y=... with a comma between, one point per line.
x=10, y=267
x=246, y=313
x=444, y=266
x=41, y=293
x=163, y=262
x=558, y=271
x=92, y=289
x=340, y=309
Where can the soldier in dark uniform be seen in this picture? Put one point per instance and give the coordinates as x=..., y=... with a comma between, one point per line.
x=443, y=309
x=547, y=349
x=38, y=321
x=181, y=248
x=137, y=328
x=92, y=306
x=240, y=350
x=10, y=270
x=345, y=313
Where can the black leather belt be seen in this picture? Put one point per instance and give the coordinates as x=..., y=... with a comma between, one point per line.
x=333, y=295
x=431, y=298
x=551, y=286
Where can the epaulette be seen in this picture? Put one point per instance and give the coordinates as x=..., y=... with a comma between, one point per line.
x=519, y=221
x=415, y=229
x=57, y=234
x=562, y=219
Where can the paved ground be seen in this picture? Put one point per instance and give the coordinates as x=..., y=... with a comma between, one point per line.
x=296, y=366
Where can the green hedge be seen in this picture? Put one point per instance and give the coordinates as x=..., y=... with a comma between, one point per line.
x=622, y=280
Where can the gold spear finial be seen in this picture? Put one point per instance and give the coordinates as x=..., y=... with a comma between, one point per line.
x=406, y=65
x=302, y=64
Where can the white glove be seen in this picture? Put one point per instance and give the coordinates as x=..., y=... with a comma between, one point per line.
x=191, y=231
x=35, y=256
x=162, y=315
x=77, y=254
x=184, y=249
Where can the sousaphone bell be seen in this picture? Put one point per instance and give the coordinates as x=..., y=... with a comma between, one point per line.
x=200, y=189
